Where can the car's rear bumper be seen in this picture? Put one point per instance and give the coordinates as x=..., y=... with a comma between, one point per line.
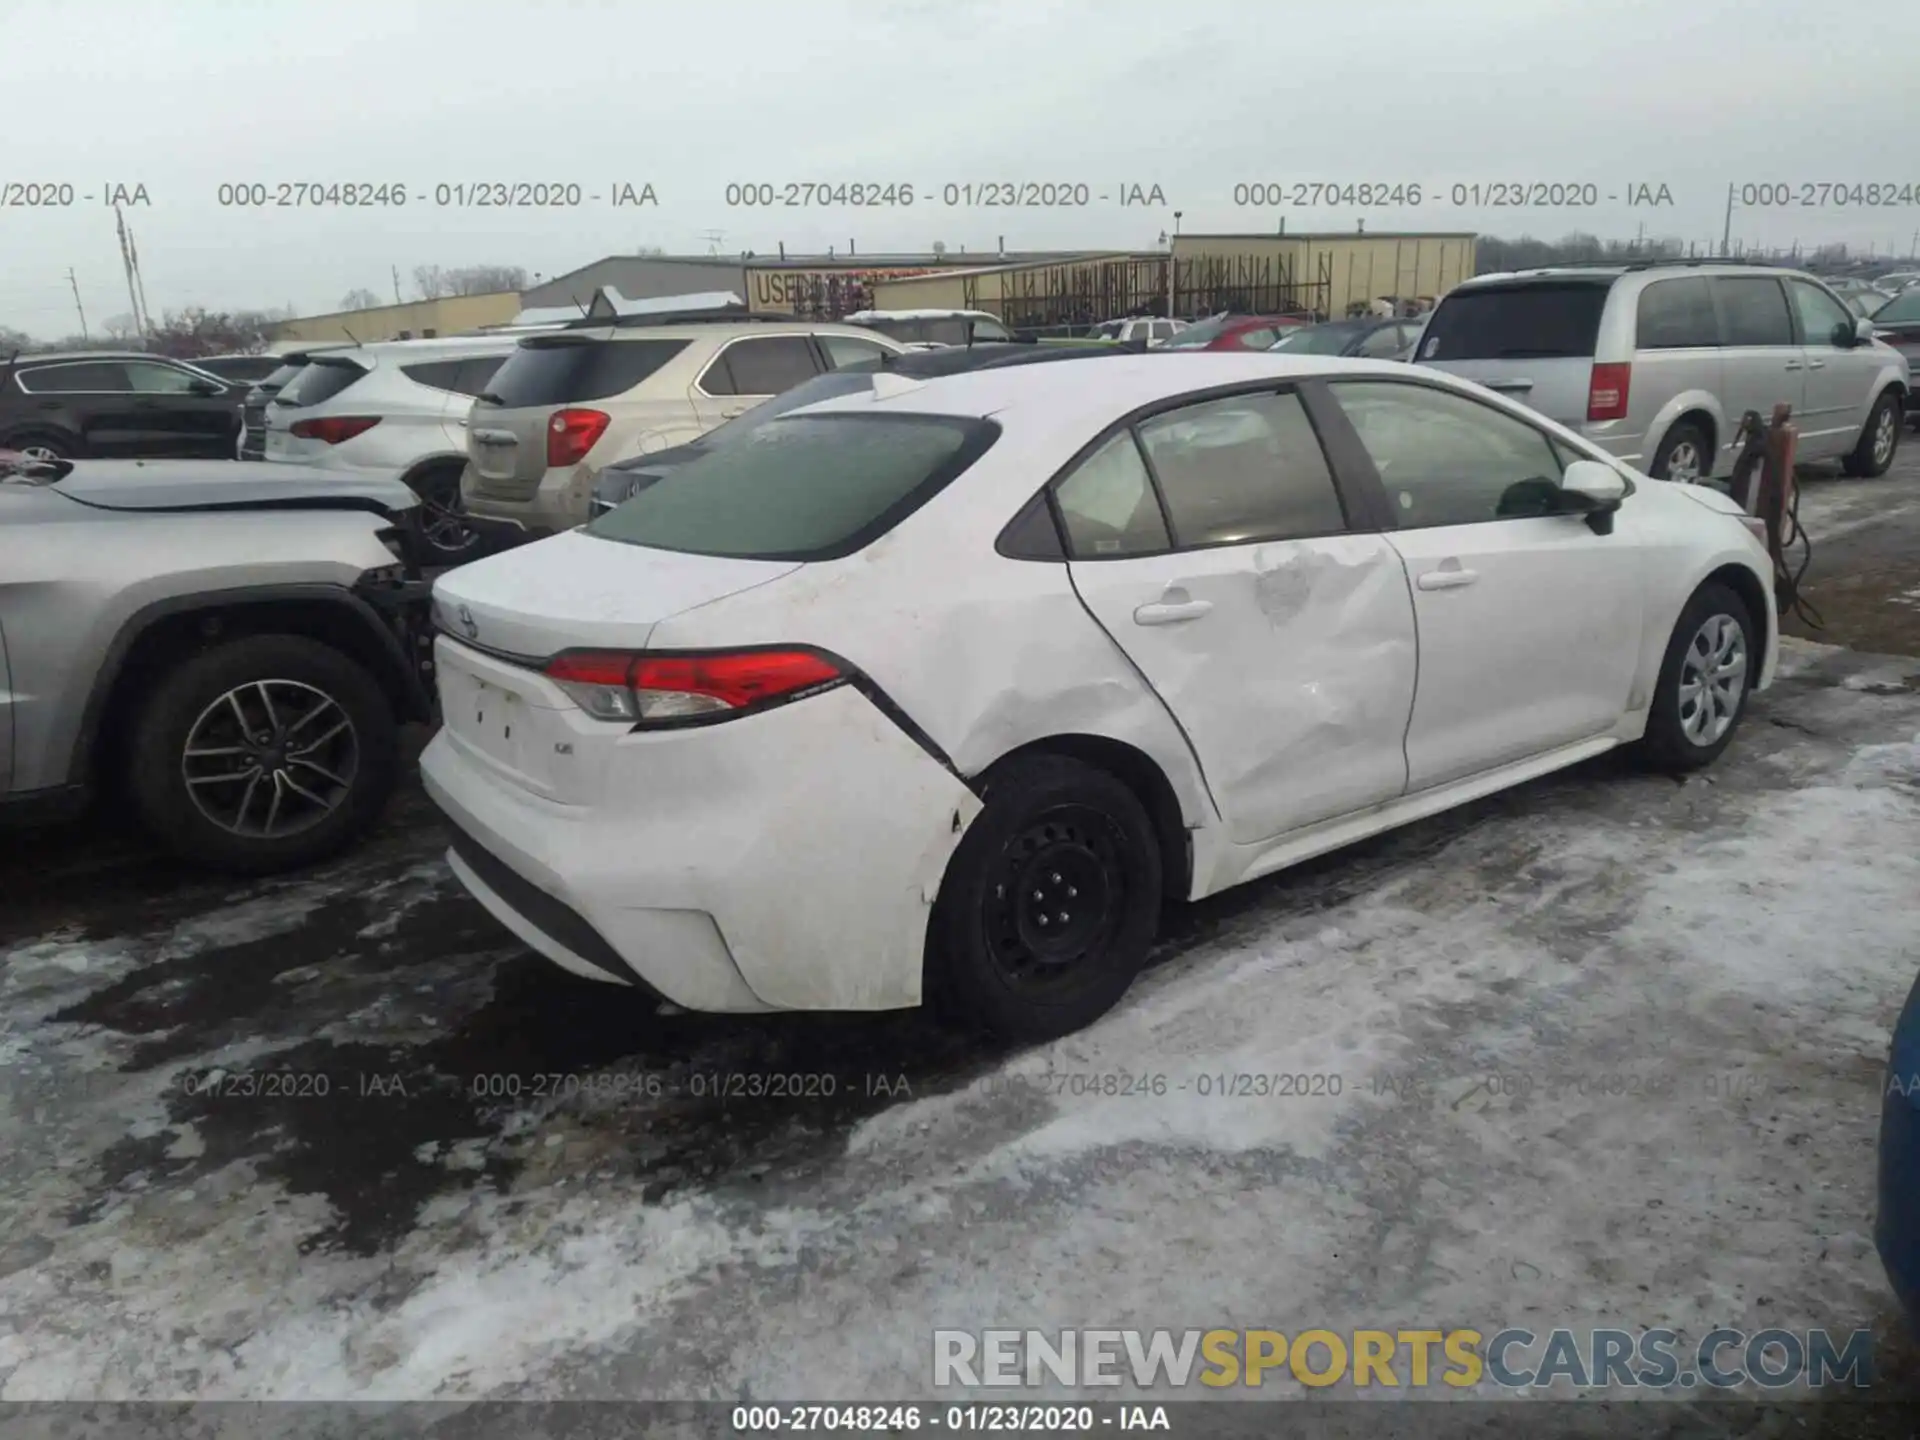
x=786, y=860
x=1897, y=1228
x=560, y=501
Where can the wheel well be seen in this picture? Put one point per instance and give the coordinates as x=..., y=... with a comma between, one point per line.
x=1703, y=422
x=430, y=466
x=1143, y=776
x=1744, y=583
x=172, y=638
x=29, y=433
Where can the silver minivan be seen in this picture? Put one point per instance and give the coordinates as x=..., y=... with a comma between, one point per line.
x=1657, y=362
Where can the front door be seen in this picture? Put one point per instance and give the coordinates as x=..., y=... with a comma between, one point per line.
x=1839, y=378
x=1529, y=622
x=1211, y=544
x=172, y=418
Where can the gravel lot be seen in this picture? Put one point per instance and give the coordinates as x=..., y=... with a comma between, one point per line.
x=477, y=1177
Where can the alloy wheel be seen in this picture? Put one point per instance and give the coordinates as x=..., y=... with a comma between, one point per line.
x=270, y=758
x=1713, y=677
x=1886, y=433
x=1056, y=899
x=1683, y=463
x=443, y=524
x=41, y=452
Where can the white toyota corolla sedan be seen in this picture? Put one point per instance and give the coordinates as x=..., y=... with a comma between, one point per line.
x=936, y=691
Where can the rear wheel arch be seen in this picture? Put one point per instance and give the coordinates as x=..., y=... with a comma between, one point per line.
x=64, y=441
x=1693, y=418
x=159, y=637
x=1141, y=774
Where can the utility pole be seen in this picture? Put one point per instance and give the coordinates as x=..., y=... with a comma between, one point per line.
x=76, y=303
x=1726, y=235
x=1173, y=247
x=396, y=286
x=126, y=262
x=140, y=282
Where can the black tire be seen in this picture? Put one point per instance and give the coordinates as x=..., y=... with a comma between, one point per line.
x=1868, y=458
x=1686, y=433
x=1667, y=744
x=1055, y=828
x=56, y=447
x=292, y=666
x=444, y=532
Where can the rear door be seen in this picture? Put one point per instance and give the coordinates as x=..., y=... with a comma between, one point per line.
x=1213, y=545
x=1761, y=363
x=88, y=396
x=750, y=370
x=1839, y=378
x=1529, y=622
x=1676, y=351
x=1531, y=340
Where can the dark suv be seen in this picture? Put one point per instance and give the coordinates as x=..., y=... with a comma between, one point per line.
x=116, y=405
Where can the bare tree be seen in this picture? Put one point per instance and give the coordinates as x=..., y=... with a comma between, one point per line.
x=487, y=279
x=191, y=333
x=359, y=300
x=431, y=281
x=120, y=327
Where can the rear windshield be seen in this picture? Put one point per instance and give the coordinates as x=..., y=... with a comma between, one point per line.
x=1318, y=339
x=1203, y=333
x=941, y=330
x=320, y=380
x=278, y=379
x=562, y=372
x=1518, y=322
x=1903, y=307
x=805, y=487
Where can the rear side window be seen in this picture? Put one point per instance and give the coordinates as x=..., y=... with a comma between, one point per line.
x=802, y=487
x=565, y=372
x=1242, y=469
x=82, y=378
x=1677, y=315
x=437, y=375
x=1753, y=311
x=1517, y=322
x=1107, y=504
x=766, y=365
x=279, y=378
x=320, y=381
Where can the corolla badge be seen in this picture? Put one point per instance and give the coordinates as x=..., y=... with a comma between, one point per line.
x=469, y=626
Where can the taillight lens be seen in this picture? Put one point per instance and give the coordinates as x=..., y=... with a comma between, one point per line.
x=636, y=687
x=1607, y=392
x=572, y=433
x=334, y=428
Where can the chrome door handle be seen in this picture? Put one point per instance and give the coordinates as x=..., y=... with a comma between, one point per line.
x=1816, y=364
x=1171, y=614
x=1793, y=365
x=1447, y=579
x=730, y=414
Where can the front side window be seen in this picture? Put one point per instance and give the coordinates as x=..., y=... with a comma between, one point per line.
x=1753, y=311
x=1447, y=460
x=1820, y=316
x=146, y=378
x=1382, y=344
x=1242, y=469
x=801, y=487
x=1108, y=506
x=990, y=330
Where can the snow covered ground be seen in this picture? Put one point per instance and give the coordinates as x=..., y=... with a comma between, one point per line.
x=1606, y=1052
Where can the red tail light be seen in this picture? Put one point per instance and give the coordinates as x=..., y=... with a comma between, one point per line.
x=572, y=433
x=1607, y=392
x=636, y=687
x=335, y=428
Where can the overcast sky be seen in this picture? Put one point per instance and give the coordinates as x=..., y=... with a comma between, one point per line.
x=1194, y=96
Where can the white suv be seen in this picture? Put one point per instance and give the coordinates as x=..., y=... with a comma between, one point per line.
x=399, y=407
x=567, y=405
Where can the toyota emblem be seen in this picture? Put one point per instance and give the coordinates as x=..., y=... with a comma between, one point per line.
x=468, y=624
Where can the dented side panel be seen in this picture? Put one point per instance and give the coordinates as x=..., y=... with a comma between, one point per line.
x=1294, y=684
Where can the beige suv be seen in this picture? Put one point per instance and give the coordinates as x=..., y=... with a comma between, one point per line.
x=569, y=403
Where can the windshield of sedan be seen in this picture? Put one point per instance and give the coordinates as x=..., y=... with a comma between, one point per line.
x=1319, y=339
x=805, y=487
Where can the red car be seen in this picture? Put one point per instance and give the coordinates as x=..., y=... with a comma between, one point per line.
x=1235, y=332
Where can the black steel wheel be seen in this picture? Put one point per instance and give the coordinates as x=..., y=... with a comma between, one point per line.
x=1050, y=902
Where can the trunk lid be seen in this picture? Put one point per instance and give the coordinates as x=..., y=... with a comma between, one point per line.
x=575, y=591
x=507, y=450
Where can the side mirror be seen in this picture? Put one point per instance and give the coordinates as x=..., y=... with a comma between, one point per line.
x=205, y=387
x=1597, y=486
x=1862, y=332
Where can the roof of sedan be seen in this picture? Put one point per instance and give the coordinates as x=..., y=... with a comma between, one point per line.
x=1118, y=384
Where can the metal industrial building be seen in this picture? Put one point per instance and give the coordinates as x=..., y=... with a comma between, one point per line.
x=449, y=315
x=1331, y=275
x=831, y=284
